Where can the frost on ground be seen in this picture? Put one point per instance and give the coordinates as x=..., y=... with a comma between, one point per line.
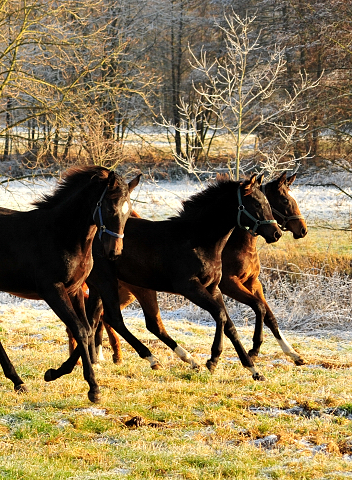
x=310, y=305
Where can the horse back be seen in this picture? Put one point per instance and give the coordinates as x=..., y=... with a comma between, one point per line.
x=161, y=256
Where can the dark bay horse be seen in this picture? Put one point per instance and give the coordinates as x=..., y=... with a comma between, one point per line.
x=46, y=253
x=241, y=264
x=240, y=271
x=182, y=255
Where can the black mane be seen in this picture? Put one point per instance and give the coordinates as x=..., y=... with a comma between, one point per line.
x=206, y=202
x=74, y=179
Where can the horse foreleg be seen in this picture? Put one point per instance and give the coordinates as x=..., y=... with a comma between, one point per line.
x=194, y=291
x=108, y=287
x=231, y=333
x=58, y=299
x=270, y=322
x=126, y=297
x=233, y=288
x=79, y=306
x=10, y=372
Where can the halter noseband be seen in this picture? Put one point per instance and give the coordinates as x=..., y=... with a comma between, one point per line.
x=285, y=218
x=102, y=228
x=257, y=223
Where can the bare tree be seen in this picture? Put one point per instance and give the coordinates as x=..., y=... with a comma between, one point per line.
x=243, y=90
x=69, y=71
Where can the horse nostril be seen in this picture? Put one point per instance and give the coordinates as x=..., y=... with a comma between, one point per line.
x=303, y=232
x=277, y=235
x=113, y=255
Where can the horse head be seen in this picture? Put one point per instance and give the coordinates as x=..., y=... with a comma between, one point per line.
x=254, y=205
x=284, y=205
x=111, y=213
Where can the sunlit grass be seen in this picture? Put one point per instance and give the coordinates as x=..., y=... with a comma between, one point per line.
x=196, y=425
x=321, y=250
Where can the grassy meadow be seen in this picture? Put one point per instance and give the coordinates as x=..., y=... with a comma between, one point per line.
x=175, y=423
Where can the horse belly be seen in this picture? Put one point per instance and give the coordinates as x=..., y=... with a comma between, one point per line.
x=27, y=296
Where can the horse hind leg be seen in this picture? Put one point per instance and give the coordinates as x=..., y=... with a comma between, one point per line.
x=10, y=372
x=271, y=322
x=114, y=343
x=149, y=303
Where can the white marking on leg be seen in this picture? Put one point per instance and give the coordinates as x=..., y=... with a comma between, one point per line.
x=152, y=360
x=287, y=348
x=253, y=371
x=186, y=357
x=100, y=355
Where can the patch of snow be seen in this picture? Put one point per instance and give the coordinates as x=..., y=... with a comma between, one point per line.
x=267, y=442
x=94, y=411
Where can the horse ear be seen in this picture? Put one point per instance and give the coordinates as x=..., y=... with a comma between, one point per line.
x=133, y=183
x=260, y=179
x=111, y=180
x=291, y=179
x=248, y=186
x=281, y=180
x=222, y=176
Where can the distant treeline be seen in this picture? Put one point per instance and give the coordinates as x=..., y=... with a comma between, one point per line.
x=76, y=77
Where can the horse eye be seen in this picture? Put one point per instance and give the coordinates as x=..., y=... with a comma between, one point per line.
x=285, y=201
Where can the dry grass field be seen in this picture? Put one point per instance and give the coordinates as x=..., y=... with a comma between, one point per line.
x=175, y=423
x=180, y=424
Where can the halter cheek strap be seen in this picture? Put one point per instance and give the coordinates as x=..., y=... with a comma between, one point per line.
x=102, y=228
x=257, y=223
x=285, y=219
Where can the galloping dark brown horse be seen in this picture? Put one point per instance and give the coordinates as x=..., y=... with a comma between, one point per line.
x=46, y=253
x=182, y=255
x=240, y=271
x=241, y=264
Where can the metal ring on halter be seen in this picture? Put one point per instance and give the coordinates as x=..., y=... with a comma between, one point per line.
x=257, y=223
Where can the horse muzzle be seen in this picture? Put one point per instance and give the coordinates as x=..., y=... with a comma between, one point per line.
x=300, y=233
x=113, y=247
x=270, y=233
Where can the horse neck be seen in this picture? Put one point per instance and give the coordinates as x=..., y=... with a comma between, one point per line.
x=75, y=219
x=242, y=240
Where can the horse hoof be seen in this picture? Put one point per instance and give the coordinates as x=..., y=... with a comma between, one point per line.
x=21, y=388
x=257, y=377
x=116, y=360
x=210, y=366
x=300, y=361
x=48, y=376
x=156, y=366
x=94, y=397
x=253, y=354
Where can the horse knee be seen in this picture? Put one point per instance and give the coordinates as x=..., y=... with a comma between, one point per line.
x=260, y=310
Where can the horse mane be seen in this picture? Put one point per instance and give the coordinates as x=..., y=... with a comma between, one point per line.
x=201, y=203
x=73, y=180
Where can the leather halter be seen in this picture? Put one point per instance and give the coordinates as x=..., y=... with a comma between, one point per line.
x=102, y=228
x=257, y=223
x=283, y=217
